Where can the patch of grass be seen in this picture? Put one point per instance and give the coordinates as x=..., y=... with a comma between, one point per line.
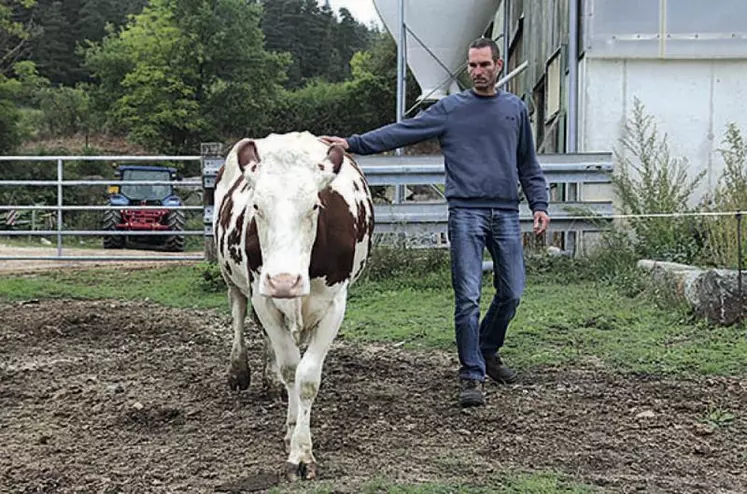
x=557, y=324
x=718, y=417
x=509, y=483
x=173, y=286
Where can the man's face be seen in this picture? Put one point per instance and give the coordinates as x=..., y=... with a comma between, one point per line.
x=483, y=70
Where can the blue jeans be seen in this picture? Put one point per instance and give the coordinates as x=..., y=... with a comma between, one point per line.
x=471, y=230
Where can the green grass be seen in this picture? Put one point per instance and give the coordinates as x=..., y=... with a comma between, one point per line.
x=508, y=483
x=173, y=286
x=578, y=323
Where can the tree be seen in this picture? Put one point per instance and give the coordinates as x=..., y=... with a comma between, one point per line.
x=351, y=37
x=16, y=32
x=53, y=49
x=9, y=115
x=321, y=46
x=188, y=70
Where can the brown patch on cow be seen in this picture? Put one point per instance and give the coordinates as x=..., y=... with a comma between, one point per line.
x=354, y=164
x=356, y=187
x=226, y=206
x=247, y=153
x=336, y=156
x=252, y=248
x=362, y=223
x=234, y=239
x=224, y=213
x=371, y=222
x=219, y=176
x=334, y=248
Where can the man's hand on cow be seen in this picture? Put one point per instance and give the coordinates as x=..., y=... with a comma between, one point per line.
x=331, y=140
x=541, y=222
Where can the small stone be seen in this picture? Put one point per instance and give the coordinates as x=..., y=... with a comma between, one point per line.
x=115, y=388
x=646, y=414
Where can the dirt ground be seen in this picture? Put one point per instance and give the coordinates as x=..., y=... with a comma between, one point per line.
x=114, y=397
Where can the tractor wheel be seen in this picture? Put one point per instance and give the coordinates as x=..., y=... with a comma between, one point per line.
x=175, y=220
x=111, y=220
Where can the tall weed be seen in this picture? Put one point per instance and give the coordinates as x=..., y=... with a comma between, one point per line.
x=650, y=180
x=730, y=195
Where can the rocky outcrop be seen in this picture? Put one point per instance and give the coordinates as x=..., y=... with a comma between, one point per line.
x=711, y=293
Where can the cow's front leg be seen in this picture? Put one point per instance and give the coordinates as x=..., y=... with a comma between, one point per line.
x=286, y=357
x=239, y=376
x=301, y=460
x=271, y=381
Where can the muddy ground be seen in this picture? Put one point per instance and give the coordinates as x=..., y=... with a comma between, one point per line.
x=114, y=397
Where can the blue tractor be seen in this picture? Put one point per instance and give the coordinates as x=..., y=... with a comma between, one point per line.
x=147, y=194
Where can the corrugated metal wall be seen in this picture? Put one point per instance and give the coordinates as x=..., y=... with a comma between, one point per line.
x=539, y=30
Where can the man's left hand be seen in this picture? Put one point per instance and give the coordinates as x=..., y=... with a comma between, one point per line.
x=541, y=222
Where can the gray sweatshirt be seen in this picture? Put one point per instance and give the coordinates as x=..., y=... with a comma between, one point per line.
x=487, y=145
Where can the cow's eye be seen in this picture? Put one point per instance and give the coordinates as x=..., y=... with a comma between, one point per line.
x=316, y=207
x=256, y=208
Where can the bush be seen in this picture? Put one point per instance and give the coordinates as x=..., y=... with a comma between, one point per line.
x=730, y=195
x=649, y=180
x=208, y=278
x=425, y=266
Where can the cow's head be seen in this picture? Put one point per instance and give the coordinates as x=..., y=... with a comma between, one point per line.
x=286, y=177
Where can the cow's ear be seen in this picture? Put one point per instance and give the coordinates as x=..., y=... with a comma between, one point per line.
x=247, y=156
x=335, y=156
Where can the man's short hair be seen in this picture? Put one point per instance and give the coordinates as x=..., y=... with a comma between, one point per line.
x=483, y=42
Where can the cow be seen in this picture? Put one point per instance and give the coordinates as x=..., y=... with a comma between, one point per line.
x=293, y=232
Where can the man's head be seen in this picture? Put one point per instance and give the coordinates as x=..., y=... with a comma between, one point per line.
x=484, y=64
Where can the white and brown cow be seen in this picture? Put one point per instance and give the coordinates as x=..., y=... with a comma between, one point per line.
x=293, y=231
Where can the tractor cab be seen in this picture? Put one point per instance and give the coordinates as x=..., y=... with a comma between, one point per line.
x=147, y=193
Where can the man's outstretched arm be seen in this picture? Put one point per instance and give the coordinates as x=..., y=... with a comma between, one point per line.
x=429, y=124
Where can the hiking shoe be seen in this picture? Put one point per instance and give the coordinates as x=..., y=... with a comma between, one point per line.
x=471, y=394
x=497, y=371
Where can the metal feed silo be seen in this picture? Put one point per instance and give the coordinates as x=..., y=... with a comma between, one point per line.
x=438, y=33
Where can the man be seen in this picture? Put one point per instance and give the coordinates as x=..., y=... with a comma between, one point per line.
x=488, y=148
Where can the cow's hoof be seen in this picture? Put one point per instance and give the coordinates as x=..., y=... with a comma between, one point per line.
x=238, y=379
x=303, y=470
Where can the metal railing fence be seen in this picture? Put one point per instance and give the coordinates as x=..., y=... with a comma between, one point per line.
x=577, y=181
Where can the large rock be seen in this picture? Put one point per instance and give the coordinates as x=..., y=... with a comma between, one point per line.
x=712, y=293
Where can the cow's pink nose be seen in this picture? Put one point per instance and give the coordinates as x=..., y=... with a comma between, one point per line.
x=284, y=285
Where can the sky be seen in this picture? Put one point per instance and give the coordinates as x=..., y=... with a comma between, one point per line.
x=362, y=10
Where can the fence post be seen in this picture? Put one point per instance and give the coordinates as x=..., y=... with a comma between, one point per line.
x=59, y=207
x=739, y=265
x=210, y=161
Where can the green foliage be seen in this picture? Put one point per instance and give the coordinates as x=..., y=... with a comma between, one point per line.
x=10, y=116
x=53, y=49
x=210, y=279
x=349, y=107
x=730, y=195
x=66, y=110
x=400, y=267
x=717, y=418
x=650, y=180
x=16, y=29
x=187, y=70
x=61, y=26
x=321, y=46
